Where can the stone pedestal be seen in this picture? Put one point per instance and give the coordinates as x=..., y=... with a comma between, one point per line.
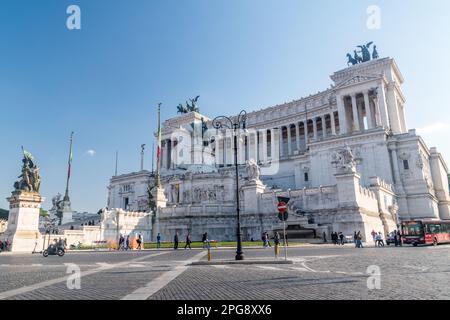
x=347, y=184
x=66, y=212
x=160, y=202
x=251, y=192
x=23, y=221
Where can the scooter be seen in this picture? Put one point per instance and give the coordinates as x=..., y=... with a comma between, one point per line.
x=54, y=250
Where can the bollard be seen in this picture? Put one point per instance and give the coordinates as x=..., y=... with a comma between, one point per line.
x=208, y=245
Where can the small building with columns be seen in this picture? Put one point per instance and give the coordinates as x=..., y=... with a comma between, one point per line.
x=390, y=174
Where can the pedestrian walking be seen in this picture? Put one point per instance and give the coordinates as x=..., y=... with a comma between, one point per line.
x=158, y=241
x=127, y=243
x=268, y=239
x=204, y=238
x=119, y=247
x=395, y=238
x=374, y=235
x=399, y=238
x=341, y=238
x=175, y=241
x=264, y=240
x=359, y=240
x=324, y=237
x=139, y=242
x=188, y=242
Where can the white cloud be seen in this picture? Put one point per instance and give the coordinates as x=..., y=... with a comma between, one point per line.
x=434, y=128
x=91, y=152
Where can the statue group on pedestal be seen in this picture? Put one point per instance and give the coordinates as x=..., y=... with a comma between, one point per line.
x=253, y=170
x=363, y=55
x=30, y=179
x=344, y=160
x=192, y=107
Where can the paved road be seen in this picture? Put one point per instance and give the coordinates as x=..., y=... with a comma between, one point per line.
x=318, y=272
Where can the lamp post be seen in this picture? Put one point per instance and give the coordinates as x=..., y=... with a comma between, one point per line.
x=236, y=125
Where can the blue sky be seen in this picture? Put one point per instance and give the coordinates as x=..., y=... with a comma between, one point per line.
x=104, y=80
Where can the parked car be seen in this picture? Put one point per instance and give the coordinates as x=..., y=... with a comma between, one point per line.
x=390, y=239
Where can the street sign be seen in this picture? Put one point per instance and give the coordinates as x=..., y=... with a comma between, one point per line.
x=283, y=208
x=283, y=216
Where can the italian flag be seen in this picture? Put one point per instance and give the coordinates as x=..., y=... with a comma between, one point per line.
x=158, y=151
x=70, y=162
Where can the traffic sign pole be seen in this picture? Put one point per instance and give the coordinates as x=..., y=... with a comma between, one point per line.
x=284, y=232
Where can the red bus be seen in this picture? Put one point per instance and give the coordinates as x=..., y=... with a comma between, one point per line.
x=426, y=232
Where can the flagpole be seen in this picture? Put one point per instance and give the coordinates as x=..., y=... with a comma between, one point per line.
x=66, y=196
x=117, y=159
x=158, y=158
x=153, y=157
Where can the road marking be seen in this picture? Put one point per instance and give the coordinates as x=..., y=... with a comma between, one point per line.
x=416, y=268
x=15, y=292
x=163, y=280
x=299, y=269
x=218, y=266
x=270, y=268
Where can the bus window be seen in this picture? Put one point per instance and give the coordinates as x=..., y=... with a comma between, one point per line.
x=433, y=228
x=412, y=229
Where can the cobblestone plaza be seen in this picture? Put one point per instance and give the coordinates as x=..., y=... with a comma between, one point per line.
x=320, y=272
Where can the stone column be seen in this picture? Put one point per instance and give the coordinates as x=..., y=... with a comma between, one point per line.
x=273, y=139
x=368, y=110
x=281, y=142
x=255, y=136
x=240, y=148
x=343, y=127
x=226, y=154
x=264, y=145
x=289, y=137
x=219, y=151
x=297, y=135
x=324, y=127
x=333, y=124
x=383, y=106
x=355, y=113
x=377, y=115
x=393, y=109
x=396, y=169
x=315, y=128
x=306, y=133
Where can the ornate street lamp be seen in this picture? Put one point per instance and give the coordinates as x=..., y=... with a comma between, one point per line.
x=235, y=124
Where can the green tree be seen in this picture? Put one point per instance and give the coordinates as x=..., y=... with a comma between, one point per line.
x=43, y=213
x=4, y=214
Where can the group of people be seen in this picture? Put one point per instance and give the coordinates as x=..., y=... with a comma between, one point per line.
x=397, y=237
x=125, y=243
x=176, y=240
x=338, y=238
x=377, y=238
x=5, y=245
x=89, y=223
